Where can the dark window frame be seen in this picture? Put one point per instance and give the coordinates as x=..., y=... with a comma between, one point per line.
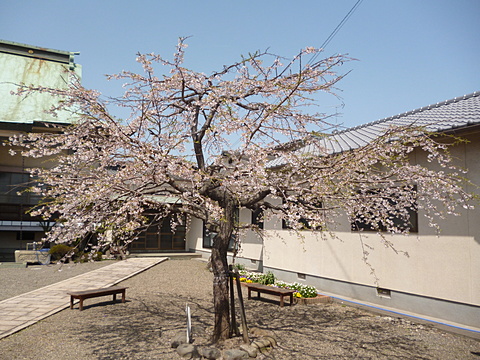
x=257, y=218
x=160, y=232
x=13, y=182
x=208, y=236
x=303, y=221
x=358, y=225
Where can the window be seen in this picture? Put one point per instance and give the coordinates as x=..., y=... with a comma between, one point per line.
x=302, y=276
x=26, y=235
x=384, y=293
x=257, y=217
x=399, y=222
x=11, y=183
x=310, y=207
x=208, y=237
x=160, y=235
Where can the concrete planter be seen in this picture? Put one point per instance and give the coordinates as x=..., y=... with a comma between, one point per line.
x=32, y=256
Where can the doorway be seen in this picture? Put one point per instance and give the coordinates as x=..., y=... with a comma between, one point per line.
x=160, y=237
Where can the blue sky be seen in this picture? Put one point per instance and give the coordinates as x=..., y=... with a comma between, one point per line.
x=410, y=53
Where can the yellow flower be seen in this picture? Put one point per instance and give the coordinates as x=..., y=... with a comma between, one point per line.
x=242, y=279
x=298, y=295
x=249, y=281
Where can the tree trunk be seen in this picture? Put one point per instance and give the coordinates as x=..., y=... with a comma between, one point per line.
x=220, y=295
x=220, y=274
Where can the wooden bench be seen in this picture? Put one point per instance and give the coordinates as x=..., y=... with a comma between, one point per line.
x=87, y=294
x=271, y=290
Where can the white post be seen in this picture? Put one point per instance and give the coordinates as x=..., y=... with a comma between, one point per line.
x=189, y=324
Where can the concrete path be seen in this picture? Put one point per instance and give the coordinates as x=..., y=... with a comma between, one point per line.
x=24, y=310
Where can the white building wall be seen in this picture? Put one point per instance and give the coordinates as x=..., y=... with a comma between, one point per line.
x=442, y=267
x=439, y=277
x=251, y=243
x=251, y=247
x=194, y=235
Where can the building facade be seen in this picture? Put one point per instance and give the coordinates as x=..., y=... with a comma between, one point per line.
x=27, y=65
x=438, y=280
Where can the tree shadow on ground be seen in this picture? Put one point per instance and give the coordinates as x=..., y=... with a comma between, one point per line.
x=141, y=329
x=330, y=331
x=144, y=327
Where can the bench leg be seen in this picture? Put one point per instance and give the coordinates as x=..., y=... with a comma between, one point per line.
x=81, y=304
x=114, y=298
x=249, y=294
x=291, y=299
x=281, y=300
x=123, y=296
x=258, y=294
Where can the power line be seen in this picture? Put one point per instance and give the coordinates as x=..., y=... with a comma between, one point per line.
x=337, y=29
x=339, y=26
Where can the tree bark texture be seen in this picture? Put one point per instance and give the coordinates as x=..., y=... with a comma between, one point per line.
x=220, y=273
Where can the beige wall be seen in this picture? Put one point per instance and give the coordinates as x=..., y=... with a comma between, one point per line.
x=444, y=265
x=251, y=242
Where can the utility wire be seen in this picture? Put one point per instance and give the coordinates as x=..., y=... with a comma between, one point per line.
x=339, y=26
x=331, y=36
x=337, y=29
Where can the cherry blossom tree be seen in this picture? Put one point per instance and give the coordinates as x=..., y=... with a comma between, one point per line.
x=208, y=141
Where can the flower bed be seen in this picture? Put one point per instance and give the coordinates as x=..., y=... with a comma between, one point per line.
x=302, y=290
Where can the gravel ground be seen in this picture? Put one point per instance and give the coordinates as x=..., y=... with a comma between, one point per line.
x=154, y=314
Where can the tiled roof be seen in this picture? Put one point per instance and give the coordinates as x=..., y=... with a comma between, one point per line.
x=448, y=115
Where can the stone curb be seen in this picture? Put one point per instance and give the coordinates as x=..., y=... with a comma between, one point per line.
x=260, y=345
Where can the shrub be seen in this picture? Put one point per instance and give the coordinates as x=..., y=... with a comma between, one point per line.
x=267, y=279
x=59, y=251
x=96, y=256
x=255, y=277
x=282, y=284
x=239, y=266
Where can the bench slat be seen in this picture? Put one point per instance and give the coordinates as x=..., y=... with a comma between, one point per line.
x=106, y=291
x=271, y=290
x=91, y=293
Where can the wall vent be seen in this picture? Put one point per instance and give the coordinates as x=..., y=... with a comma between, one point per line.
x=384, y=293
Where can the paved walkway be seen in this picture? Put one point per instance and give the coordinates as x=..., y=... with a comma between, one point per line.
x=24, y=310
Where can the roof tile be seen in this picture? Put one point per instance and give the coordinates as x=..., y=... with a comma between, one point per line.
x=448, y=115
x=443, y=116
